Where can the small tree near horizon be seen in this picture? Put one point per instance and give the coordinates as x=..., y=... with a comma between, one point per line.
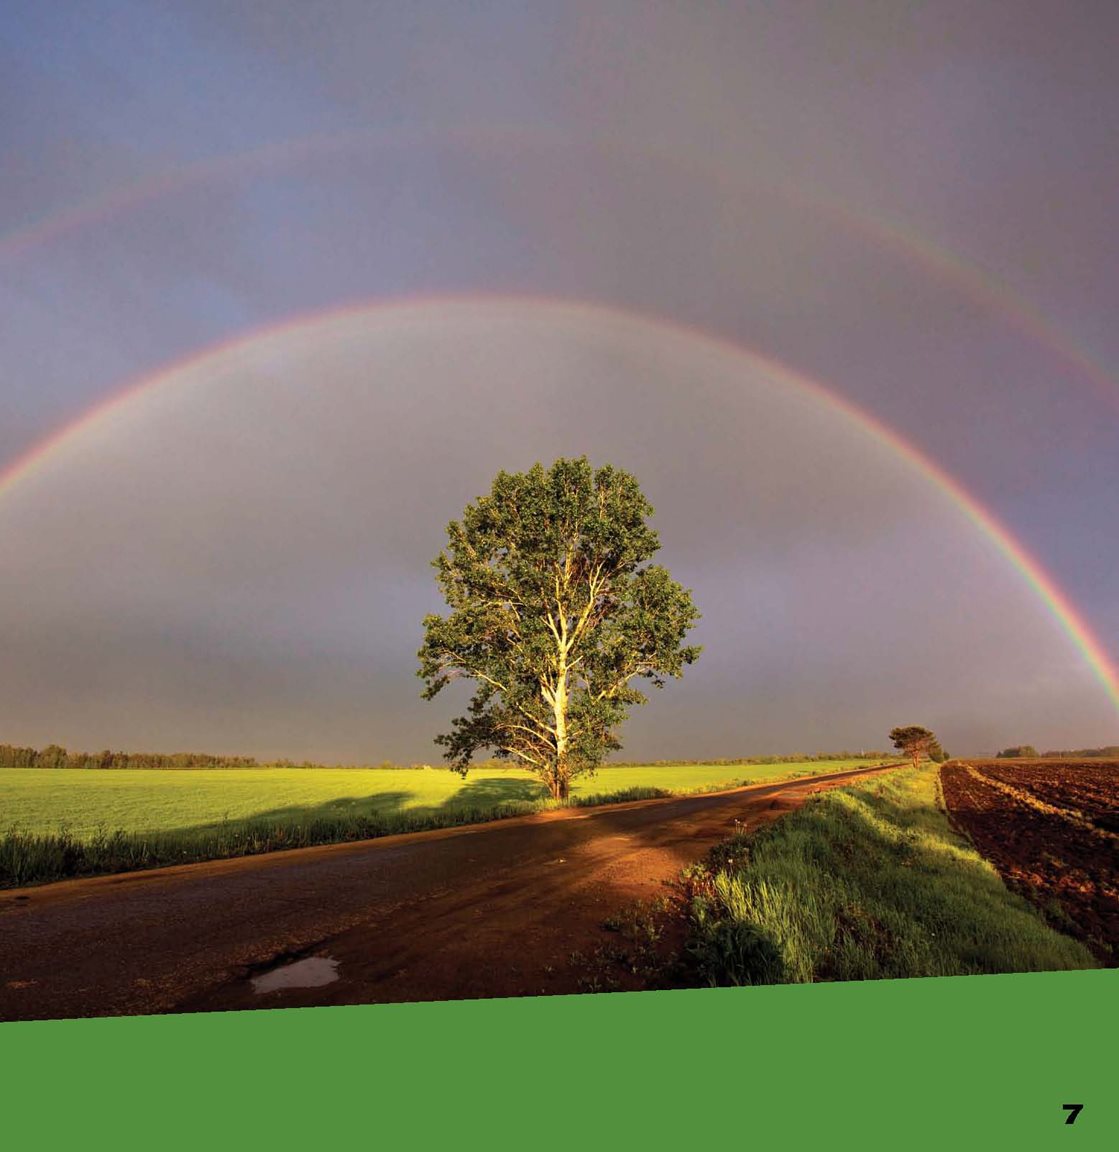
x=914, y=741
x=1019, y=752
x=554, y=613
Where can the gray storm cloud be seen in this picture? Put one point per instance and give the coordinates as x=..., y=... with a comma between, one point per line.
x=237, y=558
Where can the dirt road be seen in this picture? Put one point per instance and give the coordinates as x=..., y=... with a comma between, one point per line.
x=486, y=910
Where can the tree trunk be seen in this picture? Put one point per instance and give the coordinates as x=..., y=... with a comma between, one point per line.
x=558, y=783
x=559, y=712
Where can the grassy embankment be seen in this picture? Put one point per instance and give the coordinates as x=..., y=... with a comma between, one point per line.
x=864, y=882
x=56, y=823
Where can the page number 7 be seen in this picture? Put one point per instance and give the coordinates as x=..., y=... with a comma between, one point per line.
x=1073, y=1111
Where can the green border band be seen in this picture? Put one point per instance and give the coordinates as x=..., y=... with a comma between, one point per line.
x=962, y=1062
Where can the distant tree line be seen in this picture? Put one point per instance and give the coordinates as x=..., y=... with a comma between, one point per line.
x=794, y=758
x=55, y=756
x=1029, y=752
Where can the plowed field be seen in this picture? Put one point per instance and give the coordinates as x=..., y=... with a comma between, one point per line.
x=1051, y=828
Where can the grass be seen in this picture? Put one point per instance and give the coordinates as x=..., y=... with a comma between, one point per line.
x=864, y=882
x=62, y=823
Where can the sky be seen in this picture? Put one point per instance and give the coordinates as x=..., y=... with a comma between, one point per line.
x=283, y=286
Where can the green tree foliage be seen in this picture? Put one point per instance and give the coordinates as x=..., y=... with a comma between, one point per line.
x=914, y=741
x=936, y=753
x=1019, y=752
x=555, y=612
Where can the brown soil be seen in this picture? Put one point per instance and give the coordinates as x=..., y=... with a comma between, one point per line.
x=504, y=909
x=1050, y=829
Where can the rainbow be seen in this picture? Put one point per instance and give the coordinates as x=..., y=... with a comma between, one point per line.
x=1026, y=566
x=983, y=288
x=976, y=283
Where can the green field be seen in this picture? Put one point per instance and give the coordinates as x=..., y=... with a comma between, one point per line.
x=63, y=822
x=85, y=801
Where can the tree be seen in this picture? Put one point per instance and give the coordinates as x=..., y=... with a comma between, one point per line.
x=936, y=753
x=1021, y=752
x=914, y=741
x=555, y=613
x=52, y=756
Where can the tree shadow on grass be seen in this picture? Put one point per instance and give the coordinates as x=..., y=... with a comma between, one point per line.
x=487, y=793
x=383, y=806
x=382, y=813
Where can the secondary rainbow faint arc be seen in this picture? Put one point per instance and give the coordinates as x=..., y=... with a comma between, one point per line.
x=902, y=240
x=1056, y=602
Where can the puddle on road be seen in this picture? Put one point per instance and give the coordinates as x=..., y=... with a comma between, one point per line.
x=313, y=972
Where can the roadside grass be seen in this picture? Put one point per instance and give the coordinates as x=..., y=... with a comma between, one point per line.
x=63, y=823
x=864, y=882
